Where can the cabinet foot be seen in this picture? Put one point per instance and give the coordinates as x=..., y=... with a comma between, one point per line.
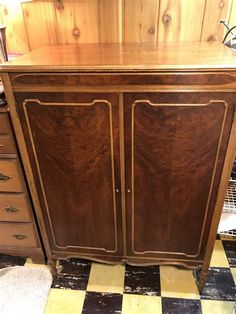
x=200, y=276
x=52, y=265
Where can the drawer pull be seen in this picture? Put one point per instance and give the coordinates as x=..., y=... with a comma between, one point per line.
x=19, y=236
x=4, y=178
x=1, y=145
x=12, y=209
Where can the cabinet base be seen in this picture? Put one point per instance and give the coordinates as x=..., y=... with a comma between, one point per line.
x=131, y=260
x=198, y=272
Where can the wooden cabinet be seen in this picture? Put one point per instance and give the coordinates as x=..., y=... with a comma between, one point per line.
x=130, y=165
x=18, y=230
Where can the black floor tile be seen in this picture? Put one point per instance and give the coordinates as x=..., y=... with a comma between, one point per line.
x=230, y=250
x=7, y=261
x=180, y=306
x=102, y=303
x=72, y=274
x=142, y=280
x=75, y=267
x=219, y=285
x=69, y=282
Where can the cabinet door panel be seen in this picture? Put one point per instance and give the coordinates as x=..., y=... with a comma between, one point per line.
x=74, y=148
x=175, y=146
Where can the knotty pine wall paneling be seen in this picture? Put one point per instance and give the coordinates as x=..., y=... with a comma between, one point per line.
x=42, y=22
x=181, y=20
x=140, y=20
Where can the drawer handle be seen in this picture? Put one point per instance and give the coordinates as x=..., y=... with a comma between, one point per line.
x=19, y=236
x=12, y=209
x=1, y=145
x=4, y=178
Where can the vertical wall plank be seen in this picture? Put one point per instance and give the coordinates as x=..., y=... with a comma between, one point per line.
x=109, y=18
x=180, y=20
x=232, y=15
x=12, y=18
x=215, y=10
x=40, y=22
x=43, y=22
x=78, y=22
x=1, y=18
x=1, y=54
x=140, y=20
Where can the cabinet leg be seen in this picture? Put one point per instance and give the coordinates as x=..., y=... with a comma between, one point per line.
x=202, y=279
x=200, y=276
x=52, y=265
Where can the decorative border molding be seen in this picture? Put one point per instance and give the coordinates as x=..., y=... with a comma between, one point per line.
x=94, y=102
x=145, y=101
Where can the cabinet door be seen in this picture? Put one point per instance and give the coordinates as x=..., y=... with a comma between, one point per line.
x=73, y=145
x=175, y=147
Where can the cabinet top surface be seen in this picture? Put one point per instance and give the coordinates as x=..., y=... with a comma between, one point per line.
x=126, y=57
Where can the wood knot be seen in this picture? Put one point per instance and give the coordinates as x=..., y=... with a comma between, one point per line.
x=5, y=11
x=222, y=4
x=151, y=31
x=26, y=13
x=59, y=5
x=211, y=38
x=166, y=19
x=76, y=32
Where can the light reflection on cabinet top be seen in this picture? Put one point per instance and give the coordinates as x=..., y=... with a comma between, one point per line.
x=126, y=57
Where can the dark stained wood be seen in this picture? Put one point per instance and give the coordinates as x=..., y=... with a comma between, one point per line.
x=183, y=147
x=76, y=146
x=59, y=79
x=126, y=57
x=175, y=151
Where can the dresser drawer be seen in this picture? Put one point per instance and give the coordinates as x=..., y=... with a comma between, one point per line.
x=5, y=127
x=10, y=176
x=17, y=234
x=7, y=145
x=14, y=207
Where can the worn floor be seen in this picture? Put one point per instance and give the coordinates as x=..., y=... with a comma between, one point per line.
x=86, y=287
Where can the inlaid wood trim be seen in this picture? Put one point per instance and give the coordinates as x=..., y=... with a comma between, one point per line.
x=94, y=102
x=128, y=259
x=122, y=171
x=15, y=76
x=145, y=101
x=140, y=69
x=125, y=88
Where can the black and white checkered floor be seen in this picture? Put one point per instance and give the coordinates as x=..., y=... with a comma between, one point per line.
x=87, y=287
